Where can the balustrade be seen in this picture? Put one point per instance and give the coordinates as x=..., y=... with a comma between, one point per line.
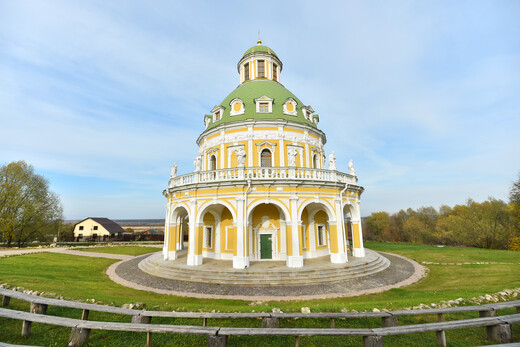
x=263, y=173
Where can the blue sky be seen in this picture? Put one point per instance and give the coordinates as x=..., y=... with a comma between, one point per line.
x=102, y=97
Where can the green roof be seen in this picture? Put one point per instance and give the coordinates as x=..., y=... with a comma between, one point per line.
x=260, y=48
x=249, y=91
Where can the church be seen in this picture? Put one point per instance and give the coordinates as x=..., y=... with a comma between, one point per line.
x=263, y=188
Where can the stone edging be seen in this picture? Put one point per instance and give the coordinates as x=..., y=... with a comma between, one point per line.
x=419, y=273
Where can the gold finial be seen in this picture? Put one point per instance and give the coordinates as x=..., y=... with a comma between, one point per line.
x=259, y=42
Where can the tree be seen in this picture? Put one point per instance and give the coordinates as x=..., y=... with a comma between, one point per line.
x=514, y=202
x=377, y=224
x=28, y=210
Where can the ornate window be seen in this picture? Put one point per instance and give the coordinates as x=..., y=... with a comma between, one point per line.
x=237, y=107
x=246, y=72
x=315, y=161
x=275, y=72
x=307, y=112
x=261, y=68
x=289, y=107
x=265, y=158
x=217, y=113
x=264, y=105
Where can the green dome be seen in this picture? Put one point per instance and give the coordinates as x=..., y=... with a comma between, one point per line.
x=249, y=91
x=259, y=48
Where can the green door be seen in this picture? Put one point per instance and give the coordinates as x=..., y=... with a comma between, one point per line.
x=266, y=246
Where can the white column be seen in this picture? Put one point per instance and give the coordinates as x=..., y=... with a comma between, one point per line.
x=250, y=147
x=341, y=256
x=193, y=259
x=172, y=255
x=240, y=261
x=282, y=146
x=356, y=220
x=179, y=239
x=218, y=237
x=166, y=230
x=296, y=259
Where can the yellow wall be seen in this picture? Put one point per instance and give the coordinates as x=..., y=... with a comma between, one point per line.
x=355, y=235
x=226, y=220
x=172, y=238
x=305, y=225
x=321, y=218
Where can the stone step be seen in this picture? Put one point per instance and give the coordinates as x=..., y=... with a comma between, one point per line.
x=260, y=276
x=301, y=276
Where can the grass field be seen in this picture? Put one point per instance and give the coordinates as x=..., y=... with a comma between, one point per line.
x=81, y=278
x=127, y=250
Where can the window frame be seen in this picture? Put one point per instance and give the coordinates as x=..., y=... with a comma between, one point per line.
x=247, y=75
x=266, y=150
x=258, y=75
x=213, y=162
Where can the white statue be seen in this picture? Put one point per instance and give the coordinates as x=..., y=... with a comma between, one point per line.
x=241, y=157
x=351, y=170
x=196, y=163
x=173, y=173
x=292, y=153
x=332, y=161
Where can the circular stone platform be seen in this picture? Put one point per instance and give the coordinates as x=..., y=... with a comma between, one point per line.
x=264, y=273
x=267, y=281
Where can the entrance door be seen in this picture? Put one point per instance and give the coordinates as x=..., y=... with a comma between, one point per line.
x=266, y=246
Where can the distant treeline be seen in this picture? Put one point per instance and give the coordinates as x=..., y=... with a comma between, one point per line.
x=489, y=224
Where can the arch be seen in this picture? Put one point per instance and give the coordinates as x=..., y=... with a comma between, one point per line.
x=315, y=161
x=174, y=211
x=353, y=209
x=204, y=207
x=282, y=208
x=328, y=209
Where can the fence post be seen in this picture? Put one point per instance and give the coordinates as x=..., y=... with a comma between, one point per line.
x=141, y=319
x=390, y=321
x=217, y=340
x=38, y=308
x=273, y=322
x=373, y=341
x=491, y=330
x=7, y=299
x=78, y=337
x=26, y=328
x=441, y=335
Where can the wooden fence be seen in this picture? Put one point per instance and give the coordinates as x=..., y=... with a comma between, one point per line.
x=499, y=328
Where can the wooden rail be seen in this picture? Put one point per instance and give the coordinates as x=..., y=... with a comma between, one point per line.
x=498, y=327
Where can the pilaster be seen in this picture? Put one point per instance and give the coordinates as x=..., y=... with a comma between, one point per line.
x=296, y=259
x=240, y=261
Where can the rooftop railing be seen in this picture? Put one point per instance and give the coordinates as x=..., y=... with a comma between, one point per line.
x=263, y=173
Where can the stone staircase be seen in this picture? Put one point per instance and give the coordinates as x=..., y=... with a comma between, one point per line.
x=265, y=273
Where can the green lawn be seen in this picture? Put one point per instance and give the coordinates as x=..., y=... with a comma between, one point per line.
x=81, y=278
x=128, y=250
